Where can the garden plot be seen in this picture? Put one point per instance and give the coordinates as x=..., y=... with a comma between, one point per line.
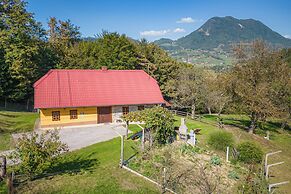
x=187, y=169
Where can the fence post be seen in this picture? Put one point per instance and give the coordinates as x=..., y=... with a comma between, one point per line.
x=164, y=185
x=3, y=166
x=121, y=151
x=227, y=153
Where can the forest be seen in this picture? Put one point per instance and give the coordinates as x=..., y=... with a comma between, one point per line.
x=258, y=84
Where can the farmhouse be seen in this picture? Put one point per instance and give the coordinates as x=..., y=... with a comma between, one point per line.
x=81, y=97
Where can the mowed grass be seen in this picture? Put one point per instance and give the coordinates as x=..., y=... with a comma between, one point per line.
x=93, y=169
x=237, y=124
x=14, y=122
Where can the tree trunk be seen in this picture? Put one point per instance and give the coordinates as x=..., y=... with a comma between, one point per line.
x=253, y=123
x=209, y=110
x=283, y=124
x=193, y=111
x=220, y=110
x=5, y=103
x=27, y=105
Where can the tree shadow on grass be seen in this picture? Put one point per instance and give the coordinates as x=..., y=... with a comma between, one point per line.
x=74, y=165
x=69, y=166
x=240, y=123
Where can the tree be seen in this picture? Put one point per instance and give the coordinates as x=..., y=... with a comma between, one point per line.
x=38, y=152
x=259, y=83
x=159, y=120
x=187, y=88
x=21, y=41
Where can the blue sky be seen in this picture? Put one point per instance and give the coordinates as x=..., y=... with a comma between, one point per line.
x=153, y=19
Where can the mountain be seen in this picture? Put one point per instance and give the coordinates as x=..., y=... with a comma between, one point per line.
x=211, y=44
x=225, y=31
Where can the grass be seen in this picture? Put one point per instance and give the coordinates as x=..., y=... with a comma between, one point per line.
x=237, y=125
x=134, y=128
x=93, y=169
x=14, y=122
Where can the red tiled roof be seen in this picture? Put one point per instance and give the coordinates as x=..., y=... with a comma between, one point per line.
x=83, y=88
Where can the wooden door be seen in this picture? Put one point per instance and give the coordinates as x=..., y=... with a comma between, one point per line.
x=104, y=114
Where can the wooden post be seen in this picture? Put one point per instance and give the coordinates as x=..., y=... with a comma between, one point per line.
x=121, y=151
x=164, y=185
x=3, y=166
x=227, y=153
x=268, y=135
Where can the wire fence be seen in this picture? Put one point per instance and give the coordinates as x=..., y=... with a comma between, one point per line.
x=16, y=106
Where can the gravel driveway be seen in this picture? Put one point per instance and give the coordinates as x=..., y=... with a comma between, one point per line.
x=79, y=137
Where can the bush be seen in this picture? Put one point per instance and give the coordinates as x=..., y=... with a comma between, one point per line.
x=249, y=153
x=220, y=140
x=37, y=152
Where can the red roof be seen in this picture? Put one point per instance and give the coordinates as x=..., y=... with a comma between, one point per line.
x=83, y=88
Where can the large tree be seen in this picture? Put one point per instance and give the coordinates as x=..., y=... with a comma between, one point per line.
x=260, y=84
x=21, y=47
x=187, y=88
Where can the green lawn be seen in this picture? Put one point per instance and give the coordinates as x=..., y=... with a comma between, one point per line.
x=14, y=122
x=134, y=128
x=93, y=169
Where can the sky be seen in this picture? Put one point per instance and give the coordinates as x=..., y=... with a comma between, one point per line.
x=154, y=19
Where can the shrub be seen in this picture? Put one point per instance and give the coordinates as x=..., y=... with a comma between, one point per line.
x=220, y=140
x=249, y=153
x=215, y=160
x=37, y=152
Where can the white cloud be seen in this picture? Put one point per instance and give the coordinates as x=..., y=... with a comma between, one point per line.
x=287, y=36
x=189, y=20
x=186, y=20
x=178, y=30
x=155, y=32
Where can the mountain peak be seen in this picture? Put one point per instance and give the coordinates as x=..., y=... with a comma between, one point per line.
x=224, y=31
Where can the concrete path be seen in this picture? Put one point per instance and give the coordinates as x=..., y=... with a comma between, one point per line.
x=79, y=137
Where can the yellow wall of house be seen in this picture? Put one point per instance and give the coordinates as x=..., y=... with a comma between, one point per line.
x=86, y=115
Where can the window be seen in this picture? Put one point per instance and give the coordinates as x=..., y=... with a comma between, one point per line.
x=140, y=107
x=73, y=114
x=56, y=115
x=125, y=110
